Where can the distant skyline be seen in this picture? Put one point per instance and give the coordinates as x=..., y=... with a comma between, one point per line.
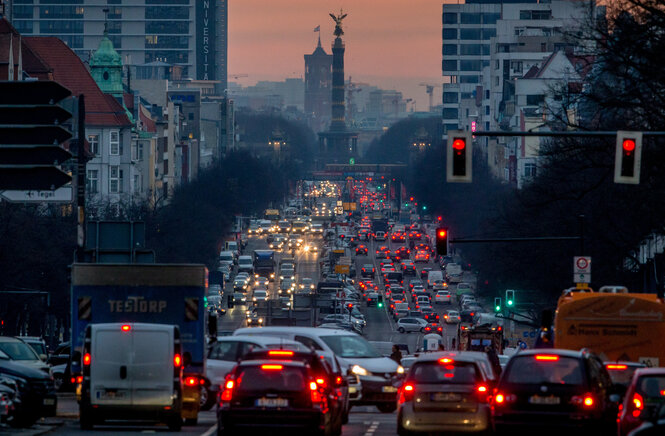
x=393, y=44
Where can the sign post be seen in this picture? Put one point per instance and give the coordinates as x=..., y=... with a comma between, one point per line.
x=582, y=269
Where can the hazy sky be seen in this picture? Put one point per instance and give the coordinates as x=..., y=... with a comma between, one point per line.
x=389, y=43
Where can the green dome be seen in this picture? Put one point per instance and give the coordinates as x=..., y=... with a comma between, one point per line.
x=106, y=54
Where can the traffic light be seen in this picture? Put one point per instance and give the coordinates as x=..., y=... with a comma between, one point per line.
x=497, y=304
x=442, y=241
x=32, y=129
x=510, y=297
x=628, y=157
x=349, y=307
x=458, y=156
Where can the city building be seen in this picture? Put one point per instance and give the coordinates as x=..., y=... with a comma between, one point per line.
x=189, y=35
x=318, y=82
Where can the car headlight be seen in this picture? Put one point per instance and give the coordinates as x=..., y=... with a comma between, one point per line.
x=254, y=299
x=261, y=322
x=400, y=369
x=359, y=370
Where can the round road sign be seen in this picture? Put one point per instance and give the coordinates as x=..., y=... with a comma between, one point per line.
x=582, y=263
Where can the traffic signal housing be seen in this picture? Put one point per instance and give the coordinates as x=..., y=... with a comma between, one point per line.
x=442, y=241
x=510, y=298
x=628, y=157
x=458, y=156
x=497, y=304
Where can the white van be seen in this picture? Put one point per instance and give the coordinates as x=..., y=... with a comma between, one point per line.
x=233, y=247
x=454, y=272
x=131, y=372
x=227, y=256
x=373, y=378
x=246, y=263
x=434, y=278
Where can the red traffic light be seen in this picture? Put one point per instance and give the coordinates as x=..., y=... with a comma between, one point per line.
x=442, y=233
x=439, y=218
x=628, y=145
x=459, y=144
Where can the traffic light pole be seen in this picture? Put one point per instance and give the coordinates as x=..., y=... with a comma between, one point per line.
x=562, y=134
x=80, y=180
x=535, y=239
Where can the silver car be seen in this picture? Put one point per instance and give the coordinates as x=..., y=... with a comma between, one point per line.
x=444, y=392
x=410, y=324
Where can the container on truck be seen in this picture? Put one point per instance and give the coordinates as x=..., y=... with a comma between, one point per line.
x=264, y=264
x=171, y=294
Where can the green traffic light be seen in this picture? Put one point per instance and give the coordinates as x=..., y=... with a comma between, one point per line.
x=509, y=302
x=497, y=308
x=380, y=305
x=424, y=207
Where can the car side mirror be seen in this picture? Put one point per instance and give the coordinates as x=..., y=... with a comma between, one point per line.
x=43, y=357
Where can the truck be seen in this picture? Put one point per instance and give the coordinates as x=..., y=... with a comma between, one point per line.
x=172, y=294
x=380, y=225
x=272, y=215
x=476, y=338
x=264, y=264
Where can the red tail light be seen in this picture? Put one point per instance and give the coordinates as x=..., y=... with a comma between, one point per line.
x=445, y=360
x=616, y=367
x=547, y=357
x=271, y=367
x=87, y=359
x=636, y=405
x=191, y=381
x=483, y=393
x=280, y=353
x=177, y=360
x=79, y=379
x=227, y=393
x=586, y=400
x=406, y=393
x=126, y=328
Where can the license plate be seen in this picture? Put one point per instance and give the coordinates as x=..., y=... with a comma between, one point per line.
x=49, y=401
x=353, y=389
x=536, y=399
x=112, y=395
x=272, y=402
x=445, y=396
x=389, y=389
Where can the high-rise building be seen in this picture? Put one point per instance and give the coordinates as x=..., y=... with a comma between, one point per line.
x=318, y=82
x=190, y=35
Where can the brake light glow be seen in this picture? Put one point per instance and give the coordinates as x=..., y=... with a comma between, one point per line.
x=79, y=379
x=177, y=360
x=191, y=381
x=227, y=393
x=280, y=353
x=547, y=357
x=499, y=398
x=408, y=388
x=87, y=359
x=588, y=401
x=445, y=360
x=271, y=367
x=406, y=393
x=126, y=328
x=638, y=405
x=482, y=388
x=615, y=367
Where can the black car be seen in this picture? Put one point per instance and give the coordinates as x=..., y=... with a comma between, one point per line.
x=273, y=394
x=328, y=375
x=361, y=250
x=549, y=389
x=468, y=316
x=424, y=273
x=368, y=270
x=36, y=393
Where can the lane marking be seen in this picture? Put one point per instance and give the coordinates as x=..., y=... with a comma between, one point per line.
x=370, y=431
x=210, y=431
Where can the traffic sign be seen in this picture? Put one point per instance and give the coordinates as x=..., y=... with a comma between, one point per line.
x=342, y=269
x=31, y=137
x=344, y=260
x=582, y=265
x=60, y=195
x=581, y=278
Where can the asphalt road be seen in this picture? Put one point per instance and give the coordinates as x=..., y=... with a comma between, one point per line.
x=365, y=421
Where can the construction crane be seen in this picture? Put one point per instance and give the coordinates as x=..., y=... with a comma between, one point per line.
x=429, y=88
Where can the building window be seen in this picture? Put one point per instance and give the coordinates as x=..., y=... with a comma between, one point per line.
x=450, y=97
x=469, y=49
x=470, y=65
x=449, y=49
x=543, y=46
x=529, y=170
x=115, y=179
x=449, y=65
x=489, y=33
x=469, y=33
x=535, y=99
x=450, y=113
x=137, y=154
x=516, y=66
x=485, y=49
x=449, y=18
x=487, y=110
x=93, y=140
x=487, y=94
x=449, y=33
x=92, y=185
x=137, y=183
x=448, y=127
x=114, y=143
x=469, y=79
x=469, y=18
x=491, y=17
x=496, y=81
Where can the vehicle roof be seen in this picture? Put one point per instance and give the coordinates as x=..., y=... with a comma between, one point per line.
x=9, y=339
x=557, y=351
x=649, y=371
x=287, y=329
x=462, y=356
x=263, y=340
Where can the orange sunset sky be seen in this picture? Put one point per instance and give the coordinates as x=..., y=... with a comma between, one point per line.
x=394, y=44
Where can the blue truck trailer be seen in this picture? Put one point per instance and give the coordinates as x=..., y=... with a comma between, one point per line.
x=264, y=264
x=170, y=294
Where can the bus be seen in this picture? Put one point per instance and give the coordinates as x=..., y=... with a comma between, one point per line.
x=613, y=323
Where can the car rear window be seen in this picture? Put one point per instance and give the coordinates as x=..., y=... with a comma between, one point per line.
x=652, y=386
x=275, y=377
x=444, y=371
x=543, y=369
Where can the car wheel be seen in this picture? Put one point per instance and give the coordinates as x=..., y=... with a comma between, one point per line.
x=401, y=330
x=422, y=329
x=192, y=421
x=207, y=399
x=386, y=407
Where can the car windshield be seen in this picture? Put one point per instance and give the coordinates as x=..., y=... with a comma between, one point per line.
x=271, y=377
x=444, y=371
x=651, y=387
x=18, y=351
x=350, y=346
x=545, y=369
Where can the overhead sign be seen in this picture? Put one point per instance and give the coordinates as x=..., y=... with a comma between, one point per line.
x=60, y=195
x=344, y=260
x=342, y=269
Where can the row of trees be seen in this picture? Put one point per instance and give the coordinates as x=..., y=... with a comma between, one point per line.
x=624, y=89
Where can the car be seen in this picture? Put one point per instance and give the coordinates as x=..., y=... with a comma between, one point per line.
x=622, y=373
x=424, y=273
x=452, y=317
x=18, y=351
x=357, y=323
x=408, y=267
x=643, y=398
x=361, y=250
x=464, y=288
x=239, y=284
x=306, y=285
x=254, y=319
x=278, y=394
x=555, y=389
x=398, y=237
x=468, y=316
x=403, y=252
x=433, y=327
x=422, y=256
x=260, y=295
x=443, y=297
x=261, y=282
x=286, y=286
x=373, y=298
x=415, y=282
x=239, y=298
x=430, y=314
x=409, y=324
x=380, y=236
x=401, y=310
x=444, y=392
x=368, y=270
